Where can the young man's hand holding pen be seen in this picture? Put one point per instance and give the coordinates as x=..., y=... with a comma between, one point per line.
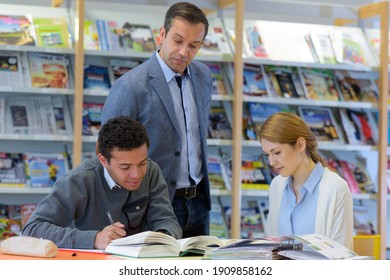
x=111, y=232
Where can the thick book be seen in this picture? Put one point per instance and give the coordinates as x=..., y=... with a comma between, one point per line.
x=151, y=244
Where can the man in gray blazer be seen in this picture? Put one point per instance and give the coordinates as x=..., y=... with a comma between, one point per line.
x=170, y=95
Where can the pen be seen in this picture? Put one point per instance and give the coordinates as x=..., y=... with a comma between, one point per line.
x=110, y=217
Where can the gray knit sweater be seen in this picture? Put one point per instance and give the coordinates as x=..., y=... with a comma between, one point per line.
x=76, y=209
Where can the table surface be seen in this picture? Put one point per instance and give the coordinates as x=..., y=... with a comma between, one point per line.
x=65, y=255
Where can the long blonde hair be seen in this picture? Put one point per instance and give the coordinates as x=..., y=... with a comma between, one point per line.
x=286, y=128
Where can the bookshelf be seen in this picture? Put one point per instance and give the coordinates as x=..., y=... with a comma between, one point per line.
x=81, y=11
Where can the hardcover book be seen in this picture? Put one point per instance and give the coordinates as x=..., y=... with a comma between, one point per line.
x=43, y=169
x=52, y=32
x=16, y=30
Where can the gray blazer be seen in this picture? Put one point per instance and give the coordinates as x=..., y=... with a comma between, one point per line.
x=144, y=94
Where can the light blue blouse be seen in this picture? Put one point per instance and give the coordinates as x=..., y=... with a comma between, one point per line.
x=299, y=217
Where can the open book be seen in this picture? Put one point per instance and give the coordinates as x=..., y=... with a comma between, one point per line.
x=151, y=244
x=318, y=247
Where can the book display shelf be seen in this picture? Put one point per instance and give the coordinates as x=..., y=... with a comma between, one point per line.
x=82, y=94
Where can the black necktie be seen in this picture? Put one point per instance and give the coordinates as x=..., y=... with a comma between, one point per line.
x=178, y=81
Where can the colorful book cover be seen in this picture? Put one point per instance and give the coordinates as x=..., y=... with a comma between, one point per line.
x=215, y=43
x=218, y=86
x=52, y=32
x=217, y=174
x=91, y=36
x=96, y=77
x=91, y=118
x=356, y=86
x=43, y=169
x=10, y=69
x=49, y=70
x=323, y=47
x=322, y=122
x=123, y=36
x=283, y=81
x=219, y=126
x=259, y=112
x=218, y=226
x=120, y=67
x=253, y=81
x=255, y=42
x=319, y=84
x=12, y=170
x=16, y=30
x=253, y=173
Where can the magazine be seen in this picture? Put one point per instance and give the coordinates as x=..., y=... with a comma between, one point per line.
x=218, y=86
x=123, y=36
x=253, y=81
x=91, y=37
x=16, y=30
x=52, y=32
x=119, y=67
x=96, y=77
x=12, y=170
x=322, y=122
x=43, y=169
x=283, y=81
x=217, y=174
x=219, y=126
x=319, y=84
x=215, y=42
x=49, y=70
x=91, y=118
x=10, y=69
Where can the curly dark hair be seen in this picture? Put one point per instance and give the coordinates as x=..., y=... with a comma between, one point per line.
x=189, y=12
x=122, y=133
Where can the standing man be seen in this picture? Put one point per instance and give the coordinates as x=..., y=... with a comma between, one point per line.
x=170, y=95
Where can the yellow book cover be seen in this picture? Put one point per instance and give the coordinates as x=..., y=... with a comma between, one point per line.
x=52, y=32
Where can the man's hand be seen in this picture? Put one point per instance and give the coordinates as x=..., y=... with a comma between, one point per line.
x=109, y=233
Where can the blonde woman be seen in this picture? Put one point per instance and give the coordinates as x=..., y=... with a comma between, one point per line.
x=306, y=196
